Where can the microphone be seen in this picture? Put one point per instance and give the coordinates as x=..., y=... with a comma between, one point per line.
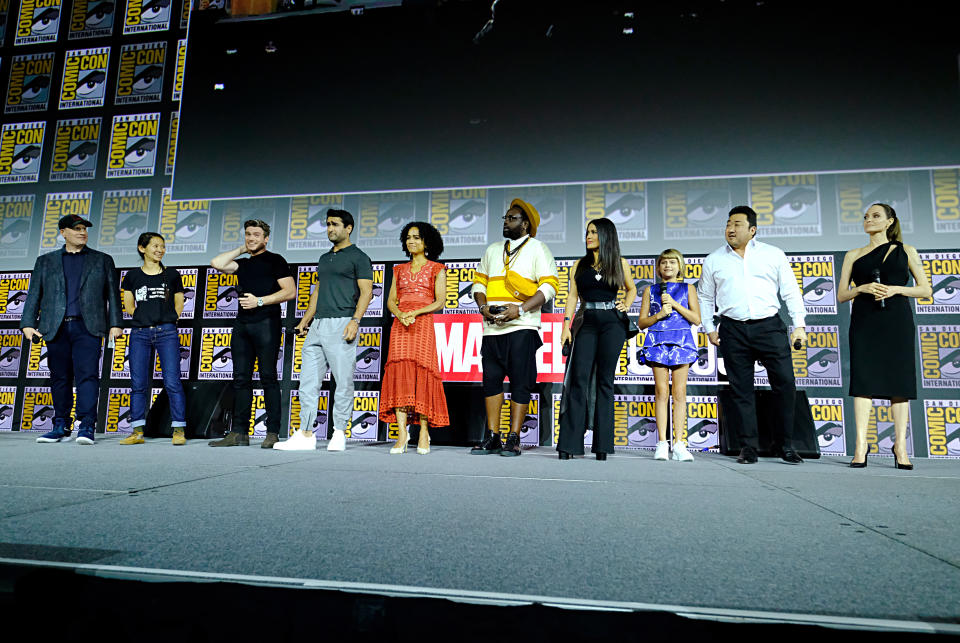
x=876, y=279
x=797, y=344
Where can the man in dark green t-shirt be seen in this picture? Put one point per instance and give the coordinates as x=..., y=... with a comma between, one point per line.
x=338, y=301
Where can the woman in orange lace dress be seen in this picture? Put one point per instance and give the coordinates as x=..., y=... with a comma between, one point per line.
x=412, y=388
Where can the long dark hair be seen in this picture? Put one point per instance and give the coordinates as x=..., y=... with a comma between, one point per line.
x=432, y=241
x=893, y=232
x=144, y=239
x=611, y=266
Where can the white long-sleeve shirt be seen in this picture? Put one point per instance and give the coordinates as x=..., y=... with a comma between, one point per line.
x=745, y=288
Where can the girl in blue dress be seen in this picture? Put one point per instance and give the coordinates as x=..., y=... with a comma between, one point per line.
x=669, y=310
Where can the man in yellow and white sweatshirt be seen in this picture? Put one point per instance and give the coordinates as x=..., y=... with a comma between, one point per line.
x=514, y=280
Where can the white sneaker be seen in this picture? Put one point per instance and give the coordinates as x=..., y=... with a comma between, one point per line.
x=338, y=442
x=680, y=452
x=663, y=450
x=297, y=442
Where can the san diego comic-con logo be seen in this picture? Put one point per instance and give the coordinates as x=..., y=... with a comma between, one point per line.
x=943, y=428
x=178, y=72
x=817, y=282
x=460, y=216
x=216, y=358
x=530, y=429
x=320, y=423
x=172, y=142
x=787, y=205
x=624, y=203
x=21, y=147
x=185, y=14
x=29, y=87
x=221, y=295
x=188, y=278
x=84, y=78
x=37, y=413
x=307, y=228
x=880, y=432
x=817, y=363
x=57, y=205
x=588, y=434
x=16, y=221
x=257, y=427
x=375, y=308
x=91, y=19
x=184, y=224
x=185, y=336
x=118, y=419
x=297, y=366
x=4, y=13
x=37, y=367
x=123, y=218
x=382, y=217
x=307, y=281
x=120, y=359
x=11, y=349
x=702, y=425
x=235, y=212
x=133, y=145
x=939, y=356
x=634, y=421
x=140, y=73
x=13, y=293
x=551, y=202
x=945, y=185
x=37, y=22
x=630, y=368
x=943, y=271
x=564, y=277
x=146, y=15
x=857, y=192
x=369, y=354
x=459, y=298
x=643, y=272
x=8, y=402
x=76, y=147
x=829, y=424
x=364, y=422
x=695, y=209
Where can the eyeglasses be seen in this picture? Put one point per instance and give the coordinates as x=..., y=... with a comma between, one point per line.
x=513, y=217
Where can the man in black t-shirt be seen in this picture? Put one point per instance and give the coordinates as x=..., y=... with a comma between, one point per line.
x=264, y=280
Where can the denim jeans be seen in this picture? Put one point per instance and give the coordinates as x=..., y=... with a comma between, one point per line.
x=166, y=341
x=73, y=355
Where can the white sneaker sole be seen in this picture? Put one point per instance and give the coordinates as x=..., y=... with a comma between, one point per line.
x=84, y=441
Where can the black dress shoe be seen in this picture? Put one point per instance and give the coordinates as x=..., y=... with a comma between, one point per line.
x=748, y=455
x=790, y=456
x=512, y=446
x=491, y=444
x=601, y=456
x=564, y=455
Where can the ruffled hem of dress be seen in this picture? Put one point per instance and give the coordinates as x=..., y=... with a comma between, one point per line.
x=426, y=398
x=668, y=355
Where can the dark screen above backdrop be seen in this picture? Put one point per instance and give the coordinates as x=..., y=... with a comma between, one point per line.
x=401, y=98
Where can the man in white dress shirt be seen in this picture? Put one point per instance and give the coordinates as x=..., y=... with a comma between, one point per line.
x=742, y=279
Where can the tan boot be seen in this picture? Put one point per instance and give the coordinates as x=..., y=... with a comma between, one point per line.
x=270, y=440
x=232, y=439
x=179, y=437
x=134, y=438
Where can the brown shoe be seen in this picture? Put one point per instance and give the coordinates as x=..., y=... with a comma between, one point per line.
x=232, y=439
x=270, y=440
x=134, y=438
x=179, y=437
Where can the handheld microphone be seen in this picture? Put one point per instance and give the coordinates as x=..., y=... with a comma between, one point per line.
x=876, y=279
x=797, y=344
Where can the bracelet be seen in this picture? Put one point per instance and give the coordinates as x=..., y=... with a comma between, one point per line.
x=482, y=307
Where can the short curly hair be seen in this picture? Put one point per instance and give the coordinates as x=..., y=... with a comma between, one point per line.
x=432, y=241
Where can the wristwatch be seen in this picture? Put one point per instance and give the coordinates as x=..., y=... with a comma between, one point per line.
x=259, y=301
x=481, y=308
x=355, y=319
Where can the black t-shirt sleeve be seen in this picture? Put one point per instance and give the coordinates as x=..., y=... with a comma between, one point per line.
x=281, y=268
x=176, y=282
x=128, y=282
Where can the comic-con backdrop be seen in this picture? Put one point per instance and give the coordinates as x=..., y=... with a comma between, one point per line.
x=92, y=92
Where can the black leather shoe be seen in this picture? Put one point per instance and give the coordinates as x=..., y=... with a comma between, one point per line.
x=601, y=456
x=512, y=446
x=563, y=455
x=790, y=456
x=490, y=445
x=748, y=455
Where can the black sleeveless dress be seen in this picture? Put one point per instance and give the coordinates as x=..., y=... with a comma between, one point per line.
x=882, y=340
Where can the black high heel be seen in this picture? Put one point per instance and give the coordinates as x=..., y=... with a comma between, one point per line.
x=563, y=455
x=601, y=456
x=896, y=462
x=860, y=465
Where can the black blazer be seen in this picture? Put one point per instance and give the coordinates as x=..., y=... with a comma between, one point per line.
x=46, y=302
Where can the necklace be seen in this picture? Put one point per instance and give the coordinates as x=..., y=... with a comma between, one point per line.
x=597, y=276
x=510, y=255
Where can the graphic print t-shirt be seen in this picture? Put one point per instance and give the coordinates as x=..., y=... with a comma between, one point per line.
x=153, y=295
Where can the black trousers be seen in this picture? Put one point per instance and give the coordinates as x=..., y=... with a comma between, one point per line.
x=597, y=345
x=764, y=341
x=258, y=341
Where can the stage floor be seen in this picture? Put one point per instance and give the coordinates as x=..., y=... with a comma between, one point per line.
x=818, y=542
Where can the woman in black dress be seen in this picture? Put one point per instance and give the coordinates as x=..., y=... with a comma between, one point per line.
x=882, y=353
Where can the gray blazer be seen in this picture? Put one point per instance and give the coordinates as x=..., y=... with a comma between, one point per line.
x=46, y=302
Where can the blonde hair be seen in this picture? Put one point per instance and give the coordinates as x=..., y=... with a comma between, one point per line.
x=671, y=253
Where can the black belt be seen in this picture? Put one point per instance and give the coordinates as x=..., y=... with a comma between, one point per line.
x=73, y=318
x=724, y=318
x=600, y=305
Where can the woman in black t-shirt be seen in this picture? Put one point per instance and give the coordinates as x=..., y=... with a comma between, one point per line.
x=153, y=294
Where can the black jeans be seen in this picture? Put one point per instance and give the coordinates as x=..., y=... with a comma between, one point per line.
x=255, y=341
x=764, y=341
x=598, y=343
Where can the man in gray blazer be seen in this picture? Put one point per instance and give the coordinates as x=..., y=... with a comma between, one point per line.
x=73, y=302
